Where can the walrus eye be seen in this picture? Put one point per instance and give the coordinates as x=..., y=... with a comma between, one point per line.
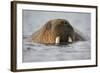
x=66, y=22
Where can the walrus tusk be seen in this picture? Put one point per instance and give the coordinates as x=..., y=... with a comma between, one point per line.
x=57, y=41
x=70, y=39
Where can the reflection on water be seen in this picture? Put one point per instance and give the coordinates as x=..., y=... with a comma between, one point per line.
x=33, y=52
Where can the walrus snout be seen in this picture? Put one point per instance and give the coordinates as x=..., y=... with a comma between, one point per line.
x=63, y=32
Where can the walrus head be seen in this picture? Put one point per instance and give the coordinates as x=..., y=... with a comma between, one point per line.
x=57, y=31
x=62, y=30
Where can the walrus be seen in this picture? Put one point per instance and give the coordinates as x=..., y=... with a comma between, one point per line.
x=56, y=31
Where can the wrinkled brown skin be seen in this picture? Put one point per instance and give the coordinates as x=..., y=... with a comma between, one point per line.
x=53, y=28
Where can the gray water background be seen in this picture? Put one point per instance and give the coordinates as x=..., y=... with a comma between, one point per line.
x=33, y=52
